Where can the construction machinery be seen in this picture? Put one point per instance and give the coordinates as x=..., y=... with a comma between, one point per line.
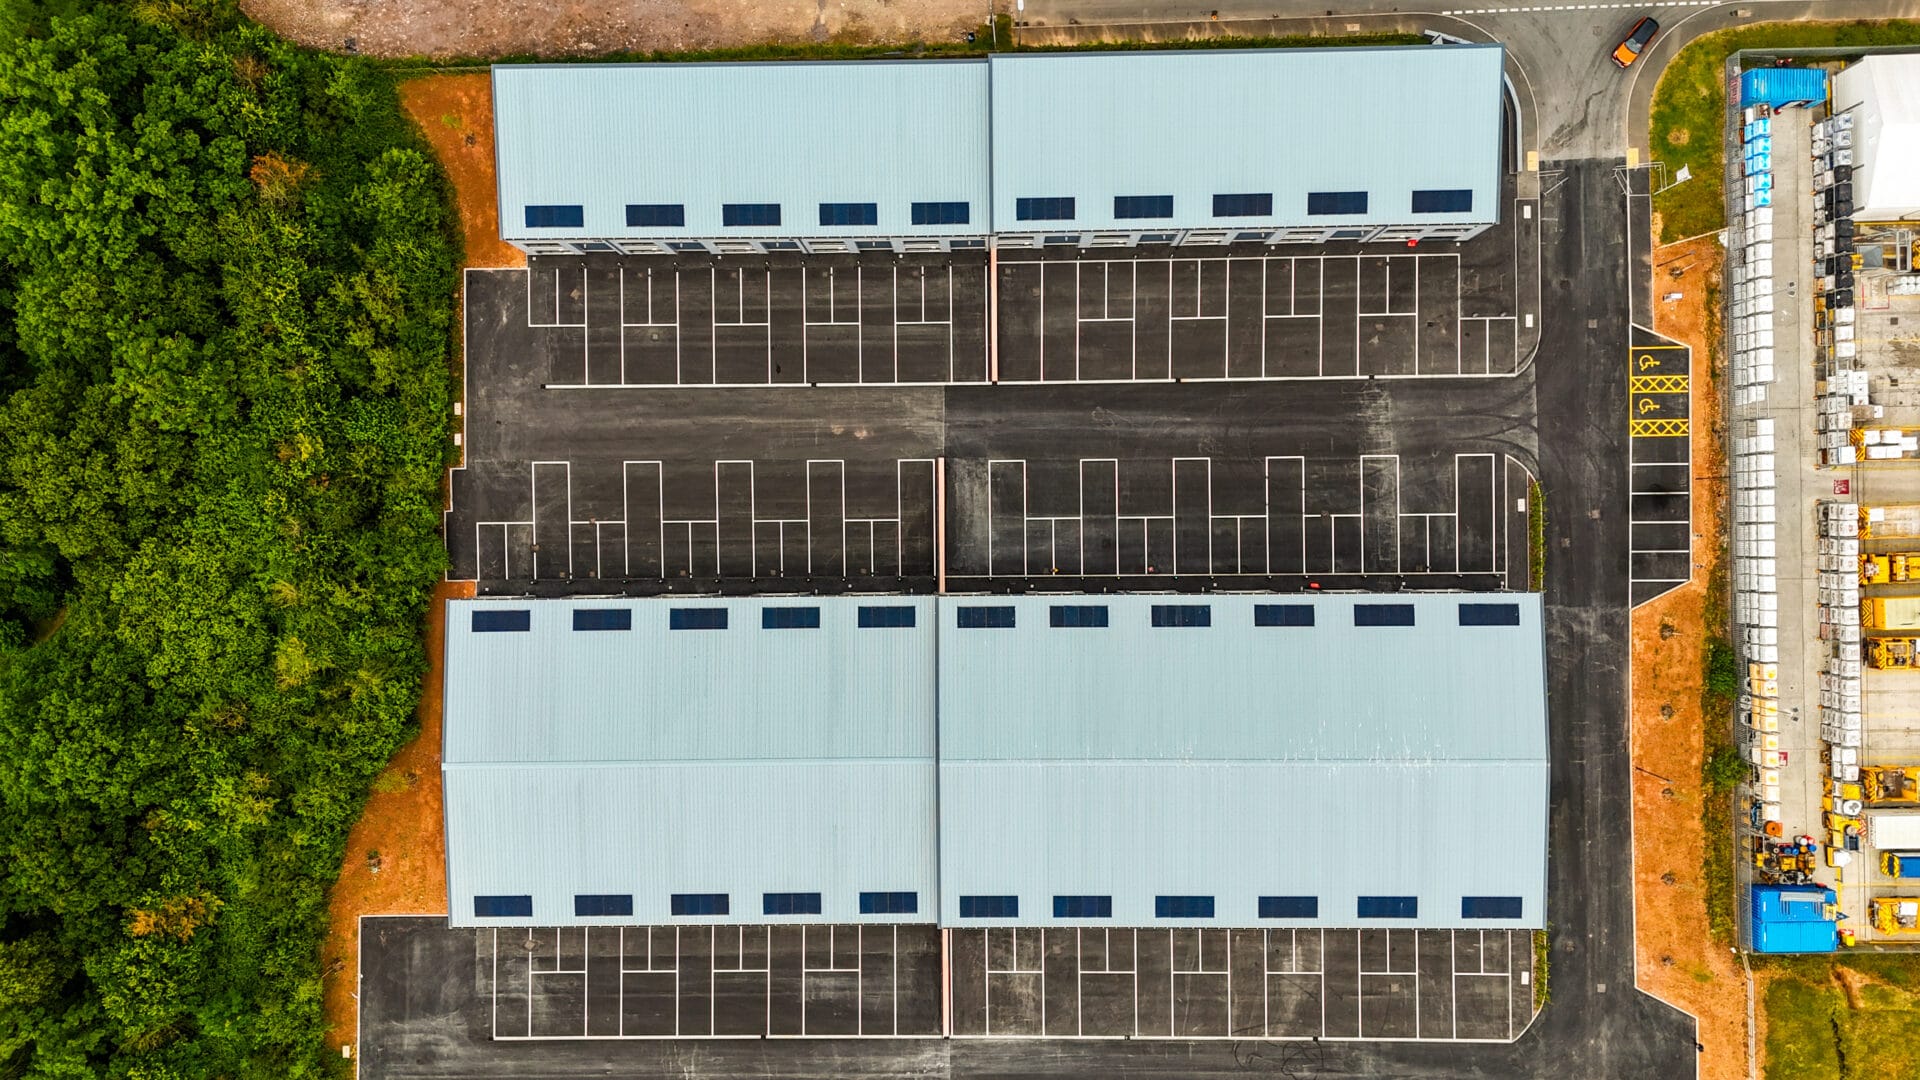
x=1890, y=785
x=1890, y=613
x=1900, y=867
x=1896, y=914
x=1882, y=522
x=1890, y=567
x=1893, y=653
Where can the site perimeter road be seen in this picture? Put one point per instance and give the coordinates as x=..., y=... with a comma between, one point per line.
x=1598, y=1025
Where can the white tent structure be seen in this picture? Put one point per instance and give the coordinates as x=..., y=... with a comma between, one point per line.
x=1885, y=92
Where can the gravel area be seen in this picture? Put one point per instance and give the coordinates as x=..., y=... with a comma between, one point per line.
x=490, y=28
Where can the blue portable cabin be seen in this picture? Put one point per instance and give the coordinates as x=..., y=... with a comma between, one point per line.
x=1793, y=919
x=1781, y=87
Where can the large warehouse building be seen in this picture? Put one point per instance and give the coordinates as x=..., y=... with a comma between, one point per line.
x=1082, y=149
x=1229, y=760
x=1883, y=95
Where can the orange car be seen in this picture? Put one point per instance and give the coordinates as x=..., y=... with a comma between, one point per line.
x=1635, y=43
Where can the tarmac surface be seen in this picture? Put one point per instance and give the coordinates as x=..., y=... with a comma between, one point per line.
x=1354, y=456
x=884, y=981
x=419, y=989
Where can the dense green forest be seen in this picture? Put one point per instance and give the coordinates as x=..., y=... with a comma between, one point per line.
x=226, y=285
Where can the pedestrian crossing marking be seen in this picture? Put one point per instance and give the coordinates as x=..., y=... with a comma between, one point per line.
x=1658, y=384
x=1668, y=428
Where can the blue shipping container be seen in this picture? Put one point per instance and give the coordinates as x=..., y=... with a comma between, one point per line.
x=1793, y=919
x=1780, y=87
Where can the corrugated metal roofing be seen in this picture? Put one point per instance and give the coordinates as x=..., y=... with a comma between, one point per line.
x=1236, y=760
x=655, y=761
x=1885, y=92
x=1226, y=755
x=603, y=136
x=1783, y=86
x=1199, y=123
x=1792, y=919
x=1089, y=126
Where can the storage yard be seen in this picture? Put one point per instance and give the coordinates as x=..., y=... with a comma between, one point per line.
x=1826, y=452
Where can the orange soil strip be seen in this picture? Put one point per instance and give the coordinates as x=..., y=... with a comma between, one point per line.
x=396, y=859
x=396, y=862
x=1677, y=960
x=455, y=113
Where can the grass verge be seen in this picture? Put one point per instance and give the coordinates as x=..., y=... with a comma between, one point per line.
x=1542, y=964
x=1689, y=109
x=1536, y=537
x=1840, y=1019
x=1721, y=771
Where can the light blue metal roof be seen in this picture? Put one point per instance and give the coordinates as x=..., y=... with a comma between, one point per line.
x=654, y=761
x=1238, y=761
x=1090, y=126
x=1198, y=123
x=1231, y=760
x=603, y=136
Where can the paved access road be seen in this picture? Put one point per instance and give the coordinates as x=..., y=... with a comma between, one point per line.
x=1597, y=1026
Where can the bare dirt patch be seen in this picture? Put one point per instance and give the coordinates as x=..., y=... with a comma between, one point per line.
x=486, y=28
x=396, y=861
x=1678, y=960
x=455, y=113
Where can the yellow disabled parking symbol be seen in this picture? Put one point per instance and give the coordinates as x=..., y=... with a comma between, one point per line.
x=1658, y=383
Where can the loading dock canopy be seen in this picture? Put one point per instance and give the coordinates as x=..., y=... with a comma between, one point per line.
x=1139, y=142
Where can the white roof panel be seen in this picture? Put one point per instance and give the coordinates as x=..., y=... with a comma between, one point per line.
x=1203, y=122
x=1886, y=133
x=1236, y=760
x=603, y=136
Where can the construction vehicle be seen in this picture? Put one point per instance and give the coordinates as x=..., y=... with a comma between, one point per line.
x=1883, y=522
x=1890, y=785
x=1891, y=567
x=1890, y=613
x=1893, y=653
x=1896, y=914
x=1900, y=867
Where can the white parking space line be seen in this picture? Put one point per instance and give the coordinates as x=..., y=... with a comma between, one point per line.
x=881, y=538
x=1188, y=275
x=1054, y=539
x=744, y=298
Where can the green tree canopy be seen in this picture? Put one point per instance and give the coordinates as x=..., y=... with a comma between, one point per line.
x=226, y=274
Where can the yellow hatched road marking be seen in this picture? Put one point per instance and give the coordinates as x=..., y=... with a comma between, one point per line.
x=1658, y=384
x=1658, y=429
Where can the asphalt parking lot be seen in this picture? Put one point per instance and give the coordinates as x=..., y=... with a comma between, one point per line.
x=706, y=981
x=1102, y=982
x=1658, y=425
x=762, y=321
x=575, y=486
x=807, y=982
x=1244, y=312
x=1257, y=315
